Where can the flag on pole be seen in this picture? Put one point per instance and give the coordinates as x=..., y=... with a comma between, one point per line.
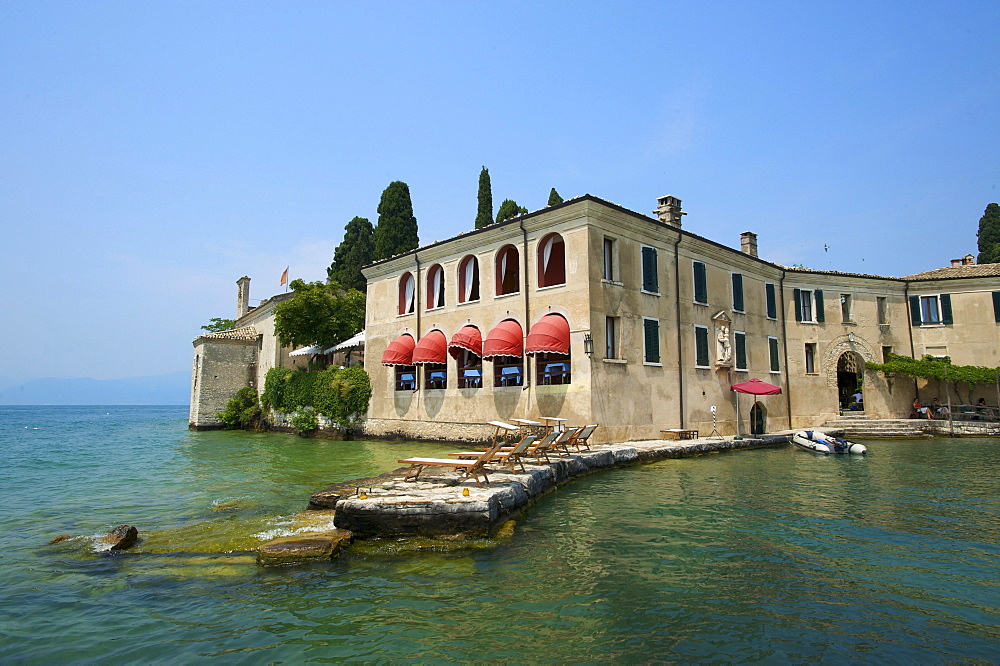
x=284, y=276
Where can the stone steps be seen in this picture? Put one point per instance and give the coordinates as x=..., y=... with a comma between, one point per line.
x=855, y=428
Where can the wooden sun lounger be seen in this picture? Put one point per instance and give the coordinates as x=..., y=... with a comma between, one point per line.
x=543, y=446
x=509, y=455
x=472, y=468
x=581, y=438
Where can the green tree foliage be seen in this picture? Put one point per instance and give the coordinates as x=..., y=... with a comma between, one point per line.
x=305, y=421
x=242, y=411
x=354, y=252
x=319, y=313
x=484, y=214
x=396, y=232
x=554, y=198
x=215, y=325
x=940, y=369
x=342, y=395
x=989, y=235
x=509, y=209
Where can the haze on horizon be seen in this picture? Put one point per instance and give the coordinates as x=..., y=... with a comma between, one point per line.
x=154, y=153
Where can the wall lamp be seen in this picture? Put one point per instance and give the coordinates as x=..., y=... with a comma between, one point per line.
x=588, y=344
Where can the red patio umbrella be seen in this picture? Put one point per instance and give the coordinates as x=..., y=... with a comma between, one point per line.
x=754, y=387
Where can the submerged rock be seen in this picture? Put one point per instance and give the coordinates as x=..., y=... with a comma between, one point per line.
x=122, y=537
x=61, y=537
x=295, y=550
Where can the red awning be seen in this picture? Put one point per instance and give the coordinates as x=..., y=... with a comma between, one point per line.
x=507, y=339
x=549, y=334
x=756, y=387
x=432, y=348
x=469, y=338
x=399, y=351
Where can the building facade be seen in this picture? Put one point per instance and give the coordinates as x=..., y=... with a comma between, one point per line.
x=593, y=313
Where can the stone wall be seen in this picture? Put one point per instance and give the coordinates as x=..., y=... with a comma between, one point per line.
x=221, y=368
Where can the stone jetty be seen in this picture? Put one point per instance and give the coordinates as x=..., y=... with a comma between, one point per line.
x=442, y=503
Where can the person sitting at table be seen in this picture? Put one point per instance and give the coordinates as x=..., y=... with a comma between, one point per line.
x=981, y=408
x=939, y=409
x=921, y=410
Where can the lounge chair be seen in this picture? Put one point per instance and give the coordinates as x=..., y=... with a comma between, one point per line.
x=543, y=446
x=472, y=467
x=581, y=438
x=561, y=445
x=508, y=455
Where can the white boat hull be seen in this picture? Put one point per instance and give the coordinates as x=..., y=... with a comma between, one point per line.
x=812, y=440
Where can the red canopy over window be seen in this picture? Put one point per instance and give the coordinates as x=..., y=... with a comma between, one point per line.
x=399, y=351
x=549, y=334
x=469, y=338
x=507, y=339
x=432, y=348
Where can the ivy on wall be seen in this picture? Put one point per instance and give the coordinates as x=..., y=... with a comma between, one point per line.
x=342, y=395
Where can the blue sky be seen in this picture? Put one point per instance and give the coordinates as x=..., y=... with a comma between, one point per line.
x=152, y=153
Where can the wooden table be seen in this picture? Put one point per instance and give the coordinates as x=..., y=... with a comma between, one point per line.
x=500, y=425
x=526, y=422
x=556, y=422
x=677, y=433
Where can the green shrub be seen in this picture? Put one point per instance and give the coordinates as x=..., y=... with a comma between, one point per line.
x=242, y=411
x=304, y=421
x=342, y=395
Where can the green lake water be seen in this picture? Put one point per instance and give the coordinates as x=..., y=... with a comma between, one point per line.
x=773, y=555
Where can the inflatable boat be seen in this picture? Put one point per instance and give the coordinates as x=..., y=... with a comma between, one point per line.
x=811, y=440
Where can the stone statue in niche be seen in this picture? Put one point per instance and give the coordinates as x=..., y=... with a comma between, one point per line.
x=725, y=350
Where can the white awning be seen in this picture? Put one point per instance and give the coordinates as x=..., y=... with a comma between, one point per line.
x=307, y=351
x=354, y=342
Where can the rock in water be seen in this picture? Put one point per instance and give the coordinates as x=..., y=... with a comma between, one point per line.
x=122, y=537
x=293, y=550
x=61, y=537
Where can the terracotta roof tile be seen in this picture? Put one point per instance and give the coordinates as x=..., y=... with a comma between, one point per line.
x=246, y=333
x=970, y=271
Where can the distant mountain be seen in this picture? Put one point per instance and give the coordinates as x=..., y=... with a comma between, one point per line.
x=169, y=389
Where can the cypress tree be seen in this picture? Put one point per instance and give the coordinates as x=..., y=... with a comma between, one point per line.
x=554, y=198
x=484, y=214
x=353, y=253
x=509, y=209
x=989, y=235
x=396, y=232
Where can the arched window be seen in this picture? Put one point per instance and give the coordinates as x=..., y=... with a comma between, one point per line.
x=508, y=271
x=468, y=280
x=435, y=287
x=549, y=342
x=551, y=261
x=407, y=294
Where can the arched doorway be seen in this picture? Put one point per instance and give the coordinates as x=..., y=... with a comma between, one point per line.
x=850, y=381
x=758, y=419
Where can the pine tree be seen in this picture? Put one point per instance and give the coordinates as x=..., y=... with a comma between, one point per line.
x=989, y=235
x=484, y=214
x=554, y=198
x=353, y=253
x=509, y=209
x=396, y=232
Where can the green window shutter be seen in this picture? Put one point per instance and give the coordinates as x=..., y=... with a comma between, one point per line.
x=649, y=277
x=741, y=351
x=738, y=292
x=772, y=344
x=915, y=311
x=772, y=302
x=701, y=346
x=700, y=285
x=797, y=295
x=652, y=338
x=996, y=306
x=946, y=309
x=820, y=313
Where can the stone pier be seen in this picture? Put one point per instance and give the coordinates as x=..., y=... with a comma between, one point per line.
x=437, y=504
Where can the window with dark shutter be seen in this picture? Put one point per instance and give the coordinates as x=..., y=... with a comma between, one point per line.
x=651, y=333
x=700, y=284
x=797, y=296
x=738, y=292
x=915, y=319
x=701, y=346
x=946, y=317
x=649, y=278
x=772, y=344
x=741, y=350
x=820, y=312
x=772, y=301
x=996, y=306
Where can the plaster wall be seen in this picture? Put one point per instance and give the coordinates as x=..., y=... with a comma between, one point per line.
x=221, y=368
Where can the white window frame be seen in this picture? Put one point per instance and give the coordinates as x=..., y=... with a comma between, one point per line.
x=939, y=321
x=847, y=314
x=810, y=347
x=694, y=282
x=777, y=356
x=811, y=302
x=642, y=269
x=659, y=341
x=743, y=295
x=709, y=344
x=774, y=289
x=746, y=352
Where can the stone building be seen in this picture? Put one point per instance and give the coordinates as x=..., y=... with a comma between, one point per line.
x=227, y=361
x=596, y=314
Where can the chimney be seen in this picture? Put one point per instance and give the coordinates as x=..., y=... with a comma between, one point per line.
x=242, y=296
x=968, y=260
x=669, y=210
x=955, y=263
x=748, y=243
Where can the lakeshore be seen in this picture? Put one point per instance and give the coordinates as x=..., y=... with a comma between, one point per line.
x=448, y=503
